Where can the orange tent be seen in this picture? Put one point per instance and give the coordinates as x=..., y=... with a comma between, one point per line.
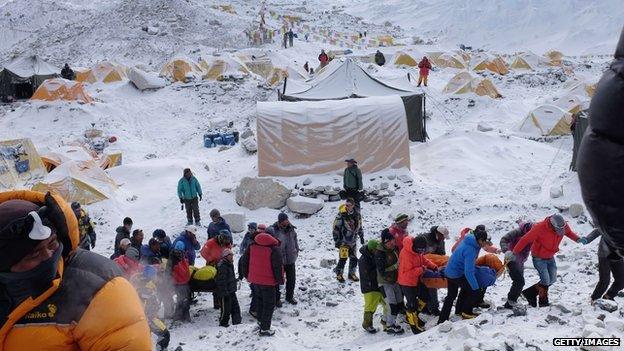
x=61, y=89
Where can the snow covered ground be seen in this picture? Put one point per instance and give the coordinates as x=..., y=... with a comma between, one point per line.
x=461, y=177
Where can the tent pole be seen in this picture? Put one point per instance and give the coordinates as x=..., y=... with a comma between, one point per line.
x=408, y=77
x=426, y=136
x=284, y=90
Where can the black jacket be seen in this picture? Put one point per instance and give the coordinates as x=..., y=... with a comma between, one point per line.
x=368, y=271
x=601, y=154
x=225, y=279
x=434, y=246
x=380, y=59
x=121, y=234
x=68, y=73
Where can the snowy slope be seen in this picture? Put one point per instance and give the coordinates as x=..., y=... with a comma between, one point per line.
x=573, y=26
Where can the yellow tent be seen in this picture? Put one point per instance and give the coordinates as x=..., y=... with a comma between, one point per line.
x=385, y=40
x=19, y=163
x=527, y=60
x=463, y=54
x=580, y=87
x=105, y=71
x=490, y=63
x=84, y=182
x=77, y=153
x=61, y=89
x=261, y=66
x=450, y=60
x=547, y=120
x=555, y=57
x=276, y=76
x=181, y=69
x=220, y=68
x=464, y=83
x=403, y=59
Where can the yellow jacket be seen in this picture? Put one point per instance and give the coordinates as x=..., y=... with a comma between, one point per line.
x=89, y=306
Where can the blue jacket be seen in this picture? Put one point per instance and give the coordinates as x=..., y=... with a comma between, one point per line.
x=189, y=189
x=486, y=276
x=462, y=261
x=148, y=256
x=247, y=240
x=189, y=247
x=215, y=228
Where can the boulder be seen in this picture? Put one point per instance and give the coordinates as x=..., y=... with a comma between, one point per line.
x=152, y=30
x=575, y=210
x=483, y=127
x=236, y=220
x=464, y=332
x=246, y=134
x=304, y=205
x=445, y=327
x=519, y=310
x=307, y=181
x=250, y=145
x=384, y=186
x=606, y=305
x=145, y=80
x=406, y=178
x=255, y=193
x=322, y=197
x=556, y=191
x=328, y=263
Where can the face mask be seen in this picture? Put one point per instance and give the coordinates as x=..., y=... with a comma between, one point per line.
x=21, y=285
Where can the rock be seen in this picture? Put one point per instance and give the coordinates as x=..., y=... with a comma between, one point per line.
x=331, y=192
x=322, y=197
x=236, y=220
x=575, y=210
x=606, y=305
x=304, y=205
x=255, y=193
x=483, y=127
x=519, y=310
x=246, y=134
x=214, y=22
x=491, y=346
x=562, y=308
x=384, y=186
x=319, y=189
x=391, y=176
x=307, y=181
x=556, y=191
x=250, y=145
x=334, y=198
x=406, y=178
x=331, y=304
x=464, y=332
x=552, y=319
x=484, y=318
x=445, y=327
x=328, y=263
x=227, y=190
x=152, y=30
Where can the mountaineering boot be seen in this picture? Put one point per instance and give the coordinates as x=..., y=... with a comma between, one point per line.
x=542, y=292
x=421, y=305
x=531, y=295
x=198, y=223
x=382, y=321
x=469, y=315
x=268, y=332
x=367, y=323
x=189, y=222
x=291, y=300
x=354, y=277
x=414, y=322
x=340, y=278
x=394, y=329
x=509, y=305
x=483, y=305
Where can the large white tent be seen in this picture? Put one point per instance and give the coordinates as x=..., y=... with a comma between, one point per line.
x=315, y=137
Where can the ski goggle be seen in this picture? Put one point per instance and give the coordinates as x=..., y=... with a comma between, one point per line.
x=31, y=226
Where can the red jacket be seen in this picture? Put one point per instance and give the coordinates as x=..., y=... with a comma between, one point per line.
x=265, y=265
x=490, y=248
x=424, y=66
x=544, y=240
x=412, y=264
x=211, y=251
x=399, y=234
x=181, y=273
x=129, y=266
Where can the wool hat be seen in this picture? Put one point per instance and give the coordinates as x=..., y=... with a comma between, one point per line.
x=481, y=234
x=558, y=223
x=386, y=236
x=400, y=218
x=372, y=244
x=282, y=217
x=20, y=232
x=419, y=242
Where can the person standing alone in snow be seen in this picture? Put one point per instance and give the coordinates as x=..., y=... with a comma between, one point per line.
x=352, y=181
x=189, y=191
x=347, y=229
x=424, y=66
x=544, y=238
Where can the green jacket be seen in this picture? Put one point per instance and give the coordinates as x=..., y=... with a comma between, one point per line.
x=387, y=263
x=352, y=178
x=189, y=189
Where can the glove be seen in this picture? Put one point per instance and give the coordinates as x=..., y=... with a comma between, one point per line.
x=582, y=240
x=361, y=239
x=200, y=197
x=93, y=245
x=181, y=201
x=509, y=256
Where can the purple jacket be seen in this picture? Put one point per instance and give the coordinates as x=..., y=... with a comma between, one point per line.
x=509, y=241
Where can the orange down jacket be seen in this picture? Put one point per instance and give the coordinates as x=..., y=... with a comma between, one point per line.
x=89, y=306
x=412, y=264
x=211, y=251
